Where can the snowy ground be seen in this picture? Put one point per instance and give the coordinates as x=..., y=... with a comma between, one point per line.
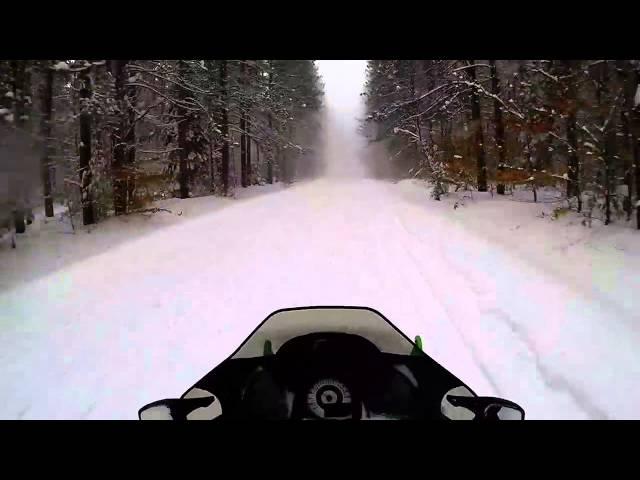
x=94, y=325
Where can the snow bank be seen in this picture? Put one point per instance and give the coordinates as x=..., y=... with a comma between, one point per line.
x=601, y=260
x=51, y=244
x=555, y=298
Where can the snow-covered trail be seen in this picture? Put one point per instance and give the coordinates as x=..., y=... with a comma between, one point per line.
x=148, y=318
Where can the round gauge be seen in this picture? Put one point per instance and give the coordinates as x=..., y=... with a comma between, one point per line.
x=329, y=398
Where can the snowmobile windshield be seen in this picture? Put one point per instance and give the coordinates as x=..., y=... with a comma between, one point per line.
x=330, y=362
x=285, y=325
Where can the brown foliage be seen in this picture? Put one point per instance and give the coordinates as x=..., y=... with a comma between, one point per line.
x=145, y=187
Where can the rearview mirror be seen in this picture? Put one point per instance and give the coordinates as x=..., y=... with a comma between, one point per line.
x=200, y=408
x=160, y=410
x=488, y=408
x=455, y=411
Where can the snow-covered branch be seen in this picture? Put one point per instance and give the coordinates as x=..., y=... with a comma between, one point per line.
x=588, y=132
x=512, y=110
x=397, y=130
x=546, y=74
x=166, y=97
x=159, y=152
x=471, y=66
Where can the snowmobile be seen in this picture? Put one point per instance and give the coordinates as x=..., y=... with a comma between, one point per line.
x=330, y=363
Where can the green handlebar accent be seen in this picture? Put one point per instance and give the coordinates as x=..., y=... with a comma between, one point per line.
x=418, y=346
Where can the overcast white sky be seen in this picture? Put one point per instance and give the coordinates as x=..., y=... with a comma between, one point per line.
x=343, y=83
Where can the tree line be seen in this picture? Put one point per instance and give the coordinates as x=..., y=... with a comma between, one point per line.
x=572, y=126
x=113, y=135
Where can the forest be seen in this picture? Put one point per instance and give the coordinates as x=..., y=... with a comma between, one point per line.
x=109, y=137
x=559, y=129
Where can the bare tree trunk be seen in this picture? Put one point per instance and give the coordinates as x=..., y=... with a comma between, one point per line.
x=46, y=108
x=609, y=139
x=224, y=127
x=635, y=135
x=243, y=127
x=243, y=151
x=257, y=161
x=250, y=76
x=531, y=166
x=499, y=124
x=636, y=161
x=269, y=170
x=573, y=184
x=123, y=139
x=628, y=163
x=416, y=107
x=626, y=75
x=85, y=147
x=270, y=151
x=609, y=154
x=248, y=142
x=448, y=127
x=283, y=174
x=544, y=147
x=183, y=128
x=212, y=169
x=119, y=181
x=270, y=165
x=573, y=163
x=130, y=141
x=291, y=158
x=182, y=157
x=478, y=140
x=431, y=83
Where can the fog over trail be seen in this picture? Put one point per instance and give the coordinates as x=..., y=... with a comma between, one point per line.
x=342, y=147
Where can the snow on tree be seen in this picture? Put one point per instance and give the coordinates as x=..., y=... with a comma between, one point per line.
x=570, y=124
x=118, y=134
